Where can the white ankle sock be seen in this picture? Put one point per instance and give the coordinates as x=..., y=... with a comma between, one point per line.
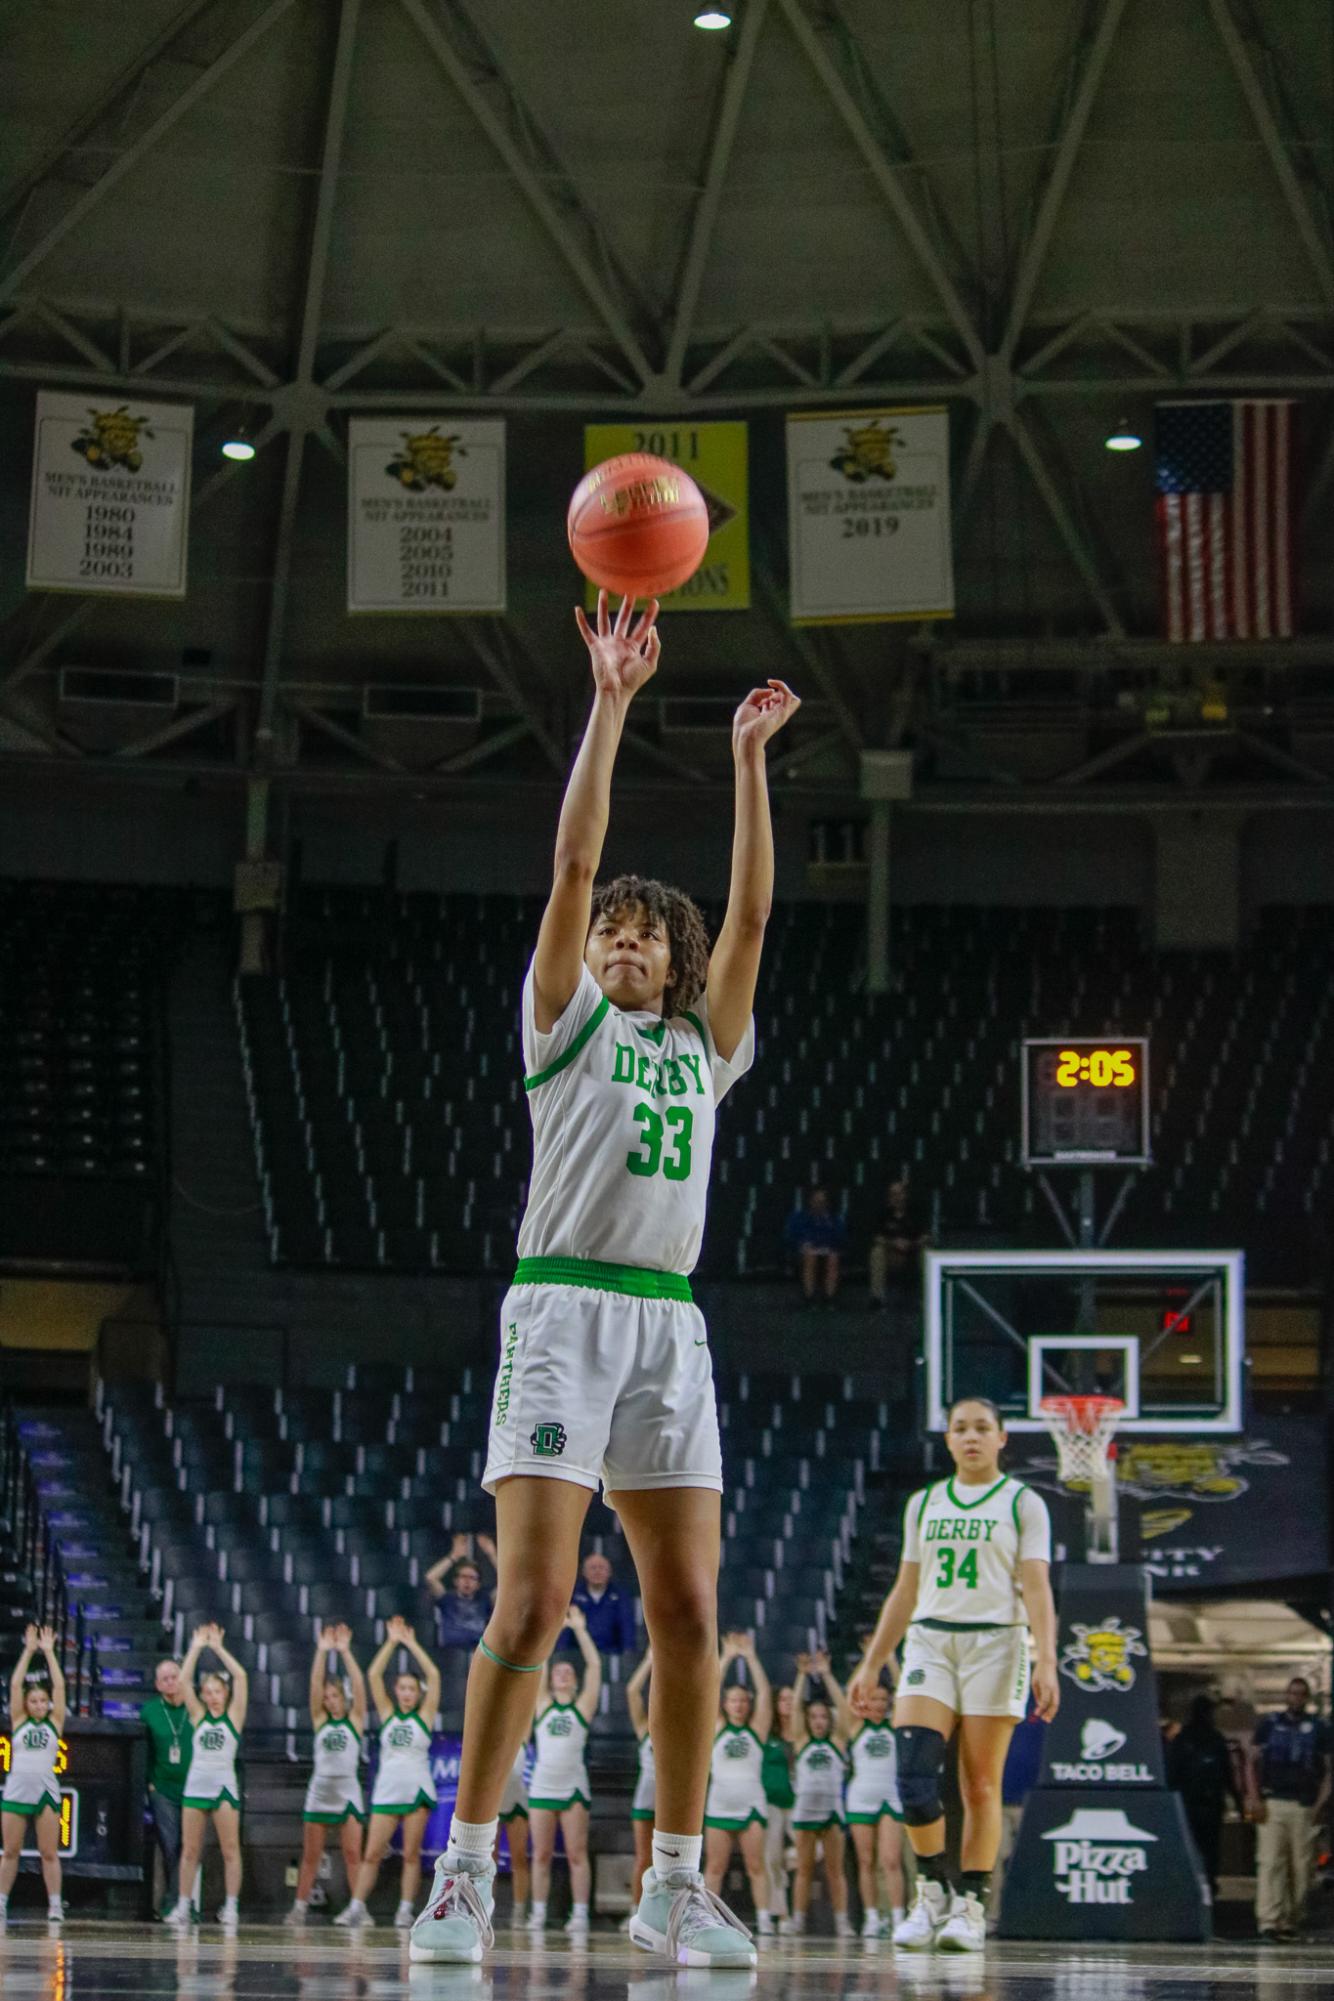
x=473, y=1839
x=676, y=1851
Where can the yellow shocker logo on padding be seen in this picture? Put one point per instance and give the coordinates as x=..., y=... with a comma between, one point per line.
x=1099, y=1657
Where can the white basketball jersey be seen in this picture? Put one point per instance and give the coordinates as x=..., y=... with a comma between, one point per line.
x=970, y=1542
x=337, y=1749
x=623, y=1119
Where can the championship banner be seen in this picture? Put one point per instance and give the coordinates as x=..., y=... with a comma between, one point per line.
x=425, y=515
x=868, y=496
x=716, y=457
x=110, y=497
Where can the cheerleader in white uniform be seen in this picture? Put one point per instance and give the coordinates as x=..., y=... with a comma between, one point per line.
x=334, y=1796
x=217, y=1711
x=817, y=1778
x=513, y=1817
x=558, y=1792
x=736, y=1813
x=641, y=1807
x=31, y=1797
x=874, y=1812
x=973, y=1584
x=404, y=1790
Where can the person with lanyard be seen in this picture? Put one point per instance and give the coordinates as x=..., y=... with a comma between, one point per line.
x=736, y=1813
x=333, y=1797
x=217, y=1711
x=776, y=1773
x=633, y=1031
x=820, y=1767
x=559, y=1792
x=404, y=1790
x=974, y=1578
x=875, y=1812
x=167, y=1722
x=30, y=1804
x=1289, y=1778
x=641, y=1806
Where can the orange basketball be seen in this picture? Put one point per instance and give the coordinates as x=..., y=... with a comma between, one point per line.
x=638, y=525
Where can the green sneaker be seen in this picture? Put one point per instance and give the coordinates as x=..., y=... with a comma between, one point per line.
x=678, y=1917
x=456, y=1923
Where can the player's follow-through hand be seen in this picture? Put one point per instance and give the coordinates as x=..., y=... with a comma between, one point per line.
x=624, y=653
x=763, y=713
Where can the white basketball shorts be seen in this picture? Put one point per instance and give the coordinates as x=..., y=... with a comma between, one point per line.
x=975, y=1671
x=601, y=1385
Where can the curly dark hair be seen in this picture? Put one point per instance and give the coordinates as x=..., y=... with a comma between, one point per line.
x=681, y=919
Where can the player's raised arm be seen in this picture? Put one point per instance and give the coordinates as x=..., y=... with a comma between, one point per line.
x=624, y=655
x=735, y=965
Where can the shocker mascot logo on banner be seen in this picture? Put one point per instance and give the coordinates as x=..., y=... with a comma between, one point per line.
x=112, y=439
x=427, y=460
x=868, y=453
x=1099, y=1657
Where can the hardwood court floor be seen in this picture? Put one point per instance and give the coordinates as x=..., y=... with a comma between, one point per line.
x=113, y=1962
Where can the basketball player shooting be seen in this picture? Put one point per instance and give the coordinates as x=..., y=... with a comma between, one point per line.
x=632, y=1033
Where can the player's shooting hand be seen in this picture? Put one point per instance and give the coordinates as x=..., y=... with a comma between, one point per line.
x=764, y=712
x=624, y=651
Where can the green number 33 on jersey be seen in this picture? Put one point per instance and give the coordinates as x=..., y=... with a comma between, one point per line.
x=675, y=1162
x=947, y=1575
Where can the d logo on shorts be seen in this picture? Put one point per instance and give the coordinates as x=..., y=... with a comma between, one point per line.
x=548, y=1440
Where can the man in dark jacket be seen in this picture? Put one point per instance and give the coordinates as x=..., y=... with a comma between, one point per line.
x=1289, y=1777
x=1199, y=1767
x=609, y=1616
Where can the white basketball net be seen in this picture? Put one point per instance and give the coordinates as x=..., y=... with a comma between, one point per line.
x=1083, y=1428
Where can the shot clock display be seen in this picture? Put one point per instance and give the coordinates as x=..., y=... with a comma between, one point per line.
x=1085, y=1102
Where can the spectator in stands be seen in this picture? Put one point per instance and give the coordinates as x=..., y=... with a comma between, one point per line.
x=166, y=1719
x=462, y=1607
x=901, y=1236
x=608, y=1615
x=1289, y=1785
x=1199, y=1767
x=817, y=1236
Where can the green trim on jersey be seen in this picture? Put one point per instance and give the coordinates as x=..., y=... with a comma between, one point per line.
x=1020, y=1488
x=753, y=1818
x=350, y=1812
x=632, y=1281
x=589, y=1029
x=818, y=1826
x=576, y=1798
x=698, y=1027
x=569, y=1708
x=212, y=1803
x=342, y=1723
x=737, y=1730
x=927, y=1492
x=981, y=1499
x=29, y=1809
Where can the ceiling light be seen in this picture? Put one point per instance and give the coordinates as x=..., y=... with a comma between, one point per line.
x=1191, y=1361
x=1122, y=438
x=713, y=18
x=238, y=445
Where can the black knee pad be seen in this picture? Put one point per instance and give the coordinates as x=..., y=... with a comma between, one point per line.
x=921, y=1762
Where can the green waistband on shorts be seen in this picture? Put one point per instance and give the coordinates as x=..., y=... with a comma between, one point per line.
x=633, y=1280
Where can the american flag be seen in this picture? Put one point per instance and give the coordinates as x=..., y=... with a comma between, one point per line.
x=1224, y=473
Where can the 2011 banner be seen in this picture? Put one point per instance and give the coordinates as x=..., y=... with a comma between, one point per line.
x=869, y=515
x=425, y=515
x=716, y=457
x=110, y=496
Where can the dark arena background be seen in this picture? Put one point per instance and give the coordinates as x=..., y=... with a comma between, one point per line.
x=999, y=339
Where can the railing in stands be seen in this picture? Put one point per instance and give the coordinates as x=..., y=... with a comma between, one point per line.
x=41, y=1569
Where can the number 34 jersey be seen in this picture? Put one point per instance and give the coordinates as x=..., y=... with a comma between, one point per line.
x=623, y=1109
x=969, y=1542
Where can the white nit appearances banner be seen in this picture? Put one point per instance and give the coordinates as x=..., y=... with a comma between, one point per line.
x=426, y=515
x=869, y=515
x=110, y=496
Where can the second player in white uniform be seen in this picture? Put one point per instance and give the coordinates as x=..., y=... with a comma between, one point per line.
x=30, y=1806
x=973, y=1581
x=334, y=1797
x=633, y=1031
x=404, y=1790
